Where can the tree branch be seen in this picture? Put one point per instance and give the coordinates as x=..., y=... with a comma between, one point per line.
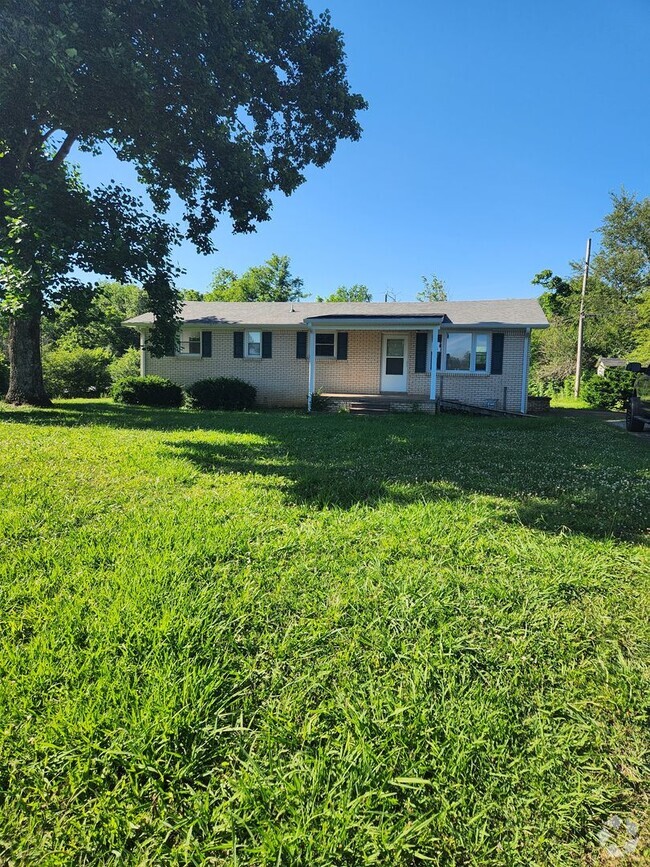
x=21, y=162
x=64, y=150
x=47, y=134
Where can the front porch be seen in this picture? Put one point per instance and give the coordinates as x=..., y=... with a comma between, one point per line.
x=385, y=361
x=374, y=404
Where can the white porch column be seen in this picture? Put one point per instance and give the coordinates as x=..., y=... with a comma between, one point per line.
x=524, y=373
x=143, y=353
x=311, y=352
x=434, y=356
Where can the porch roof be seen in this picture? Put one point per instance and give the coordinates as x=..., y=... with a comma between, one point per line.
x=372, y=323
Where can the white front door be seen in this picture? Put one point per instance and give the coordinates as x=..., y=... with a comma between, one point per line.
x=394, y=363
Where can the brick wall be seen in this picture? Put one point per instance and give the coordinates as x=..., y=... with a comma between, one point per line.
x=283, y=380
x=477, y=388
x=360, y=373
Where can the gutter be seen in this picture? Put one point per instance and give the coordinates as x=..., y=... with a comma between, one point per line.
x=524, y=373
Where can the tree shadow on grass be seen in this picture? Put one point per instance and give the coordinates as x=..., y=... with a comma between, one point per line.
x=554, y=493
x=83, y=413
x=557, y=474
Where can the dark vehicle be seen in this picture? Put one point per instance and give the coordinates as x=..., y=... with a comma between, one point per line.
x=638, y=407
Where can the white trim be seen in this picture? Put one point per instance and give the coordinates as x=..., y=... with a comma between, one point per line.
x=490, y=326
x=335, y=345
x=247, y=341
x=187, y=331
x=382, y=373
x=311, y=355
x=433, y=358
x=471, y=370
x=143, y=353
x=524, y=373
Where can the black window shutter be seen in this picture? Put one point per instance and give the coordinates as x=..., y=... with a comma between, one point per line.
x=497, y=353
x=301, y=344
x=206, y=344
x=342, y=346
x=421, y=339
x=267, y=344
x=238, y=344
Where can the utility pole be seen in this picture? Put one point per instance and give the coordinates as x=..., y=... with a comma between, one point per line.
x=581, y=320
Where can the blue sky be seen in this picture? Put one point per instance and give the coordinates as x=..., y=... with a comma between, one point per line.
x=494, y=135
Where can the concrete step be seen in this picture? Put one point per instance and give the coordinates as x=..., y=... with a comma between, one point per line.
x=367, y=407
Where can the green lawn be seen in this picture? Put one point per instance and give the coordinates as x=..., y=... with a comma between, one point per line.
x=562, y=401
x=275, y=639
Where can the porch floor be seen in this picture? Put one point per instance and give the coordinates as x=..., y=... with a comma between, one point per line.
x=372, y=404
x=384, y=396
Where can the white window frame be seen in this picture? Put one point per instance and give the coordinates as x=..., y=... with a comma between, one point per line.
x=186, y=335
x=335, y=345
x=472, y=362
x=248, y=341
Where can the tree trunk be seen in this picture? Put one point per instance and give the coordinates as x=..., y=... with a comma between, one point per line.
x=25, y=367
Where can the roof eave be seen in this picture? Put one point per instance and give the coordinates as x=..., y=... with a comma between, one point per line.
x=499, y=326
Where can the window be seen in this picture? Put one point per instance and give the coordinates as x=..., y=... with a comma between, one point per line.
x=395, y=349
x=325, y=345
x=253, y=344
x=480, y=352
x=459, y=351
x=190, y=343
x=467, y=352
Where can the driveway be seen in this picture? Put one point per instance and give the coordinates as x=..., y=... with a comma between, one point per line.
x=617, y=419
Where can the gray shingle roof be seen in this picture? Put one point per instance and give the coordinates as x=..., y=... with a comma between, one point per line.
x=510, y=312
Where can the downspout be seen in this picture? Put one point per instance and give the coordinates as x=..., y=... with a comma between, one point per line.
x=434, y=363
x=311, y=352
x=524, y=374
x=143, y=352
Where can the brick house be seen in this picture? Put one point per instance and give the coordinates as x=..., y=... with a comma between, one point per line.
x=406, y=354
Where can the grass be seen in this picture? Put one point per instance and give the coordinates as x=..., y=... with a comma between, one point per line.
x=563, y=401
x=274, y=639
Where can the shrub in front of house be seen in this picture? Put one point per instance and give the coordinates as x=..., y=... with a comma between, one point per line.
x=610, y=391
x=147, y=391
x=4, y=374
x=76, y=372
x=221, y=393
x=126, y=366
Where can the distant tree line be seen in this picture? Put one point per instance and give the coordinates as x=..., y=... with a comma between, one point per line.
x=85, y=346
x=617, y=322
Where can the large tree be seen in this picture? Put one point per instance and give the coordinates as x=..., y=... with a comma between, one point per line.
x=434, y=289
x=98, y=324
x=358, y=292
x=220, y=102
x=617, y=300
x=624, y=257
x=272, y=281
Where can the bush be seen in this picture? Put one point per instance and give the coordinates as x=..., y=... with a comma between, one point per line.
x=222, y=393
x=147, y=391
x=610, y=391
x=76, y=372
x=126, y=366
x=4, y=374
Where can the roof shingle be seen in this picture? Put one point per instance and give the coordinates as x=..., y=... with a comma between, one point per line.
x=503, y=313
